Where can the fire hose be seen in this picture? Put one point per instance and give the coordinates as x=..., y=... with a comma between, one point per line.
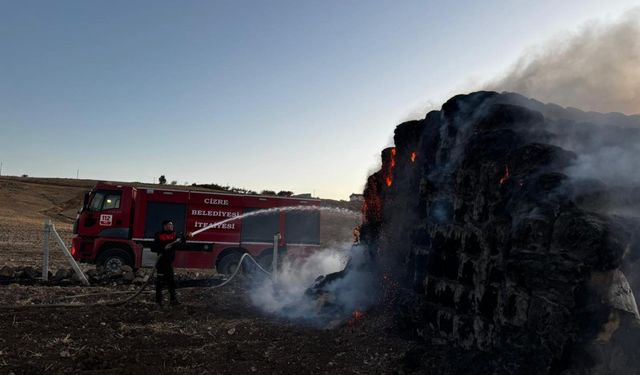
x=130, y=298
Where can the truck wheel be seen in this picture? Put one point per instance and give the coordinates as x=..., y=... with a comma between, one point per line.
x=266, y=260
x=228, y=263
x=113, y=259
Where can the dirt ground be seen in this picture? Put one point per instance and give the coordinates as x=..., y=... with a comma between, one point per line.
x=214, y=331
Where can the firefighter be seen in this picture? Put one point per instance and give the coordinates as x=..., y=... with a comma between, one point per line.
x=164, y=245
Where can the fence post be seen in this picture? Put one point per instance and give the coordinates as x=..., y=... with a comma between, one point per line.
x=73, y=262
x=45, y=250
x=274, y=263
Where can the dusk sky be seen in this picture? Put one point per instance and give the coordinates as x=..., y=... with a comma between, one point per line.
x=280, y=95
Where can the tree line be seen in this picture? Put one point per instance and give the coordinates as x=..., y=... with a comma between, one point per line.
x=162, y=180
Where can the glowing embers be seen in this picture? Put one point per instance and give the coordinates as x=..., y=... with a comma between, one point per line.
x=372, y=206
x=376, y=184
x=413, y=157
x=356, y=316
x=388, y=176
x=505, y=176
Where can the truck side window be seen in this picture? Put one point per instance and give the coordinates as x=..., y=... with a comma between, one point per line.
x=111, y=201
x=96, y=202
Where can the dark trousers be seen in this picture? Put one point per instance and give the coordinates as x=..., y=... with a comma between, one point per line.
x=165, y=276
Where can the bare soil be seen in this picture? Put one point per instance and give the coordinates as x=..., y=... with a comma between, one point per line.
x=213, y=331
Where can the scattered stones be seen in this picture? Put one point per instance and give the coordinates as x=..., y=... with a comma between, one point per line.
x=60, y=275
x=140, y=272
x=67, y=276
x=128, y=276
x=115, y=274
x=96, y=276
x=6, y=272
x=92, y=273
x=18, y=274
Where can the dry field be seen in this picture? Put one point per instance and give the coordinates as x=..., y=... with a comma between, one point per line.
x=25, y=203
x=212, y=332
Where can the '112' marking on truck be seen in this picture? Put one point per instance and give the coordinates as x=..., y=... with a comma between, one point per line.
x=106, y=220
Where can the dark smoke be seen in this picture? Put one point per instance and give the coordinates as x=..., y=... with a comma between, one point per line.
x=597, y=68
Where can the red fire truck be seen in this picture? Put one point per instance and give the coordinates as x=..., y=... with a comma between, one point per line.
x=116, y=225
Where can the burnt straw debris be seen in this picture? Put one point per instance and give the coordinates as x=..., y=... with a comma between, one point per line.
x=510, y=230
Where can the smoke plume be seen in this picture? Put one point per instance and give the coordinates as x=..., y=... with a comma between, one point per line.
x=596, y=69
x=288, y=296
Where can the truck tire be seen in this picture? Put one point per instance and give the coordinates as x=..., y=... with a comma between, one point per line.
x=266, y=258
x=113, y=259
x=228, y=263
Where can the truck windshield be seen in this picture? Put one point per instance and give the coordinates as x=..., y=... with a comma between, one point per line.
x=104, y=201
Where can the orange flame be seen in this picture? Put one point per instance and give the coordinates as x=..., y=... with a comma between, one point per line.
x=388, y=178
x=372, y=206
x=506, y=175
x=413, y=157
x=355, y=317
x=357, y=314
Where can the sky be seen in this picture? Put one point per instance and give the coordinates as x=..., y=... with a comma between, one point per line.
x=278, y=95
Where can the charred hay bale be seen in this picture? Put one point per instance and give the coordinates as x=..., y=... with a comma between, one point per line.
x=503, y=260
x=587, y=239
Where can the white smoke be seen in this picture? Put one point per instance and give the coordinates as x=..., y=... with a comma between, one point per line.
x=596, y=68
x=612, y=164
x=286, y=297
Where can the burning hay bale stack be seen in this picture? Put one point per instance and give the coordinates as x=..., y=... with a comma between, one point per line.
x=493, y=215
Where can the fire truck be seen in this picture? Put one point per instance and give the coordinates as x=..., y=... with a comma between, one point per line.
x=117, y=223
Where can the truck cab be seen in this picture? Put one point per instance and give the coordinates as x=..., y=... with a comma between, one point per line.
x=103, y=225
